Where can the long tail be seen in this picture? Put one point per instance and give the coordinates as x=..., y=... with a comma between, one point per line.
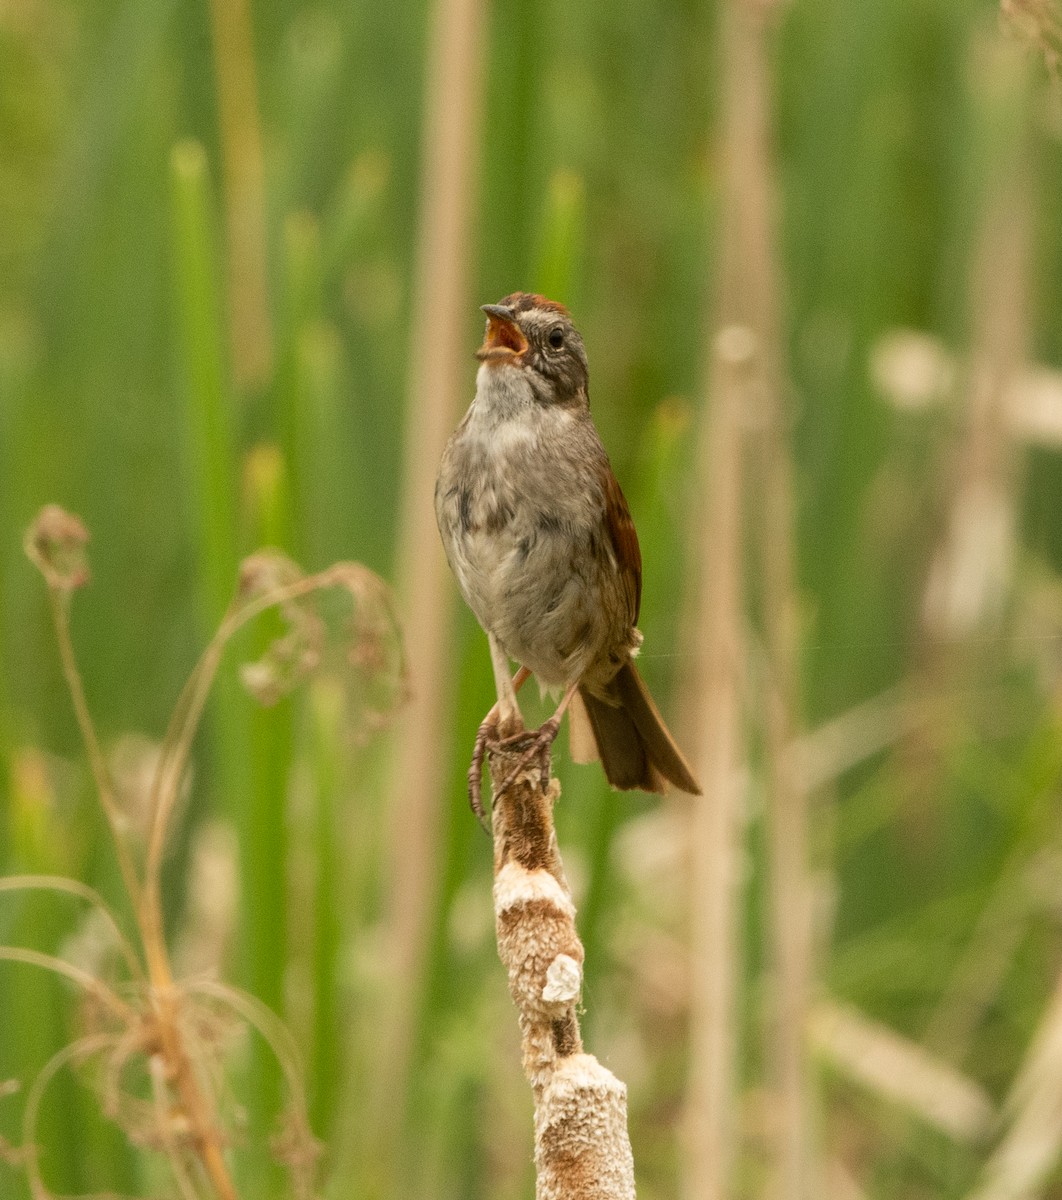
x=633, y=743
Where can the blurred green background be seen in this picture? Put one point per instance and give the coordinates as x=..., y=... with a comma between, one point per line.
x=912, y=139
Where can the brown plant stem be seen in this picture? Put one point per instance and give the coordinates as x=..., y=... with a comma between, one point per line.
x=91, y=985
x=194, y=1100
x=972, y=574
x=59, y=604
x=156, y=1016
x=74, y=887
x=582, y=1151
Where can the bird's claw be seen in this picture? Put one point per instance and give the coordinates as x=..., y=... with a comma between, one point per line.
x=546, y=736
x=475, y=771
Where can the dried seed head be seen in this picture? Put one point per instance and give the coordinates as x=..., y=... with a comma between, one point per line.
x=55, y=544
x=374, y=659
x=264, y=570
x=296, y=655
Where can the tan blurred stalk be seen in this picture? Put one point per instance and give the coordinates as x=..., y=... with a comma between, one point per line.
x=439, y=375
x=902, y=1071
x=970, y=576
x=250, y=328
x=756, y=306
x=714, y=705
x=1040, y=21
x=747, y=421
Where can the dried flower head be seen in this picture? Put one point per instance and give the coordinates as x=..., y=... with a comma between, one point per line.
x=55, y=544
x=292, y=658
x=373, y=652
x=354, y=638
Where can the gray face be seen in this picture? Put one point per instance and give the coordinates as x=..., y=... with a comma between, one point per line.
x=555, y=357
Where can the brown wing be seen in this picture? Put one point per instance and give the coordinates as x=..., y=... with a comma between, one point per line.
x=624, y=540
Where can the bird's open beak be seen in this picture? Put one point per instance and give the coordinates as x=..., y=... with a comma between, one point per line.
x=504, y=340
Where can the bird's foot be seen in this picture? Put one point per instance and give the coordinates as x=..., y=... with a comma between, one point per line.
x=537, y=744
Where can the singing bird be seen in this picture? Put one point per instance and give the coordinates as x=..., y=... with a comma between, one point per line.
x=540, y=539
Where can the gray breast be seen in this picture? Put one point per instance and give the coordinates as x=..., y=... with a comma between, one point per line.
x=531, y=557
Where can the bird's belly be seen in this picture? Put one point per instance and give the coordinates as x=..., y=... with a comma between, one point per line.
x=538, y=586
x=534, y=559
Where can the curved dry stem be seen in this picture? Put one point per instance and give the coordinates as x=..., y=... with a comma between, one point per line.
x=73, y=887
x=187, y=713
x=265, y=1023
x=60, y=609
x=59, y=966
x=164, y=791
x=82, y=1048
x=303, y=1149
x=119, y=1105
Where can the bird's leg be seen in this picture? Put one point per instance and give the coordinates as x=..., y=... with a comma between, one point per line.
x=488, y=727
x=543, y=738
x=508, y=717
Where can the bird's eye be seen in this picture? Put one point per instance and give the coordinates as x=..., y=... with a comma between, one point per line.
x=556, y=338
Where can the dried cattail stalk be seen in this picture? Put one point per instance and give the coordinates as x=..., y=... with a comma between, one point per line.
x=970, y=580
x=582, y=1151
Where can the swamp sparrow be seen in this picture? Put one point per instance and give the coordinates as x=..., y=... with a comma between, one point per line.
x=541, y=541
